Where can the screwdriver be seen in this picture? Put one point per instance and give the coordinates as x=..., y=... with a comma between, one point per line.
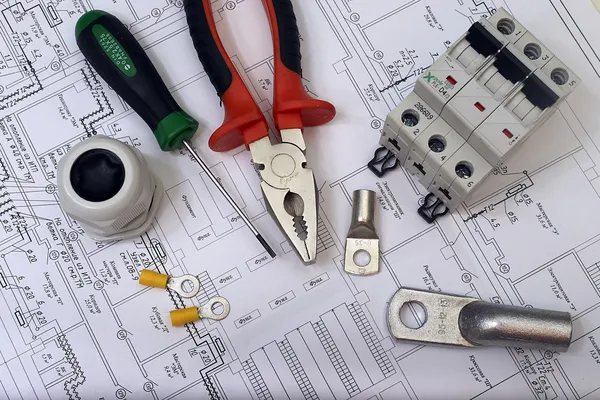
x=119, y=59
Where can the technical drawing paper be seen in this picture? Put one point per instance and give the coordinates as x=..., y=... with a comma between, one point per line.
x=75, y=324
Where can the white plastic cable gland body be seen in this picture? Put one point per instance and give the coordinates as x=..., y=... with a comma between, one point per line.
x=130, y=211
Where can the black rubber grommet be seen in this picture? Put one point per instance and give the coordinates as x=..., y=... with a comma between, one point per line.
x=97, y=175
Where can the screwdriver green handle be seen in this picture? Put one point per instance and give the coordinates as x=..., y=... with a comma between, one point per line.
x=120, y=60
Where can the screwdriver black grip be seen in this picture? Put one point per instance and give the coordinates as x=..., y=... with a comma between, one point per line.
x=119, y=59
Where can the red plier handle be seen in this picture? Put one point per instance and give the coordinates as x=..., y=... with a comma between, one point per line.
x=244, y=122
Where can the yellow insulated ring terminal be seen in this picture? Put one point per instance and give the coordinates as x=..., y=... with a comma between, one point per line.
x=186, y=315
x=153, y=279
x=187, y=286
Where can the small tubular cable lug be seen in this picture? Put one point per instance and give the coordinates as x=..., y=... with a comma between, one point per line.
x=362, y=242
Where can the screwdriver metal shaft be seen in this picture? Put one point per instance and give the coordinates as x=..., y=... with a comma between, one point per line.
x=227, y=196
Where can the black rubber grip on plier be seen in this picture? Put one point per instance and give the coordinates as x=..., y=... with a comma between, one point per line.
x=209, y=54
x=289, y=35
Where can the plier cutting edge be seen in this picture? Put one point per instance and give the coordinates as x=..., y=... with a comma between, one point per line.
x=289, y=187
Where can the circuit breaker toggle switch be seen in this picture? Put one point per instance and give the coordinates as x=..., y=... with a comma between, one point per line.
x=494, y=81
x=483, y=42
x=523, y=108
x=468, y=57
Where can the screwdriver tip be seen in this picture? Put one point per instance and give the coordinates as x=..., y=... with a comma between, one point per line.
x=266, y=246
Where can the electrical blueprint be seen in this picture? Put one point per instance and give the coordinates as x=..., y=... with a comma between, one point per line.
x=75, y=324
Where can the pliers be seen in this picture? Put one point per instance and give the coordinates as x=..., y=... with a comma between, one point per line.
x=289, y=188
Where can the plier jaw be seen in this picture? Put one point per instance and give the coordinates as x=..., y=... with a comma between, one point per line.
x=290, y=190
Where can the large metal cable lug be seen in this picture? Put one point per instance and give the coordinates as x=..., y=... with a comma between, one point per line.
x=470, y=322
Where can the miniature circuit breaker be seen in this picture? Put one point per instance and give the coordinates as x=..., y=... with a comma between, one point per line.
x=484, y=97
